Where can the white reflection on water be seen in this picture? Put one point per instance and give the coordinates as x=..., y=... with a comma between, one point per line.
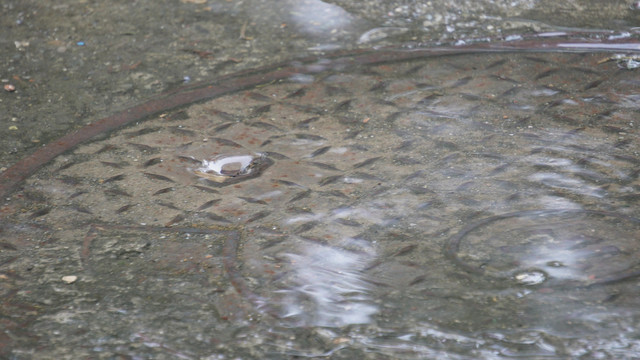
x=220, y=164
x=319, y=18
x=561, y=181
x=327, y=287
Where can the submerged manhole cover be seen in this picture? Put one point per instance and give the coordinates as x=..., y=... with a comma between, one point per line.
x=313, y=196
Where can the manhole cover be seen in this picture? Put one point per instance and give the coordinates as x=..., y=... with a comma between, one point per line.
x=320, y=189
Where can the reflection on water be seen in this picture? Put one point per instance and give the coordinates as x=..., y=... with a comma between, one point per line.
x=566, y=247
x=327, y=287
x=319, y=18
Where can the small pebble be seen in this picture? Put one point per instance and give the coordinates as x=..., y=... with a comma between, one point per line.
x=531, y=277
x=69, y=279
x=10, y=87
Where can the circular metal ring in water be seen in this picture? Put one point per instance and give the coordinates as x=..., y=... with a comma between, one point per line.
x=551, y=247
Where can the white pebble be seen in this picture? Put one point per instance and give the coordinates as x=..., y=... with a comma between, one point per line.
x=69, y=279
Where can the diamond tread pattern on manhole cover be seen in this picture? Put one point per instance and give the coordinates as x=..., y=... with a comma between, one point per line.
x=374, y=160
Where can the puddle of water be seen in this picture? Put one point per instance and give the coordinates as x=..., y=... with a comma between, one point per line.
x=473, y=206
x=329, y=288
x=569, y=248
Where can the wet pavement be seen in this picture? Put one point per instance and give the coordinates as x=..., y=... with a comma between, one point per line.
x=398, y=203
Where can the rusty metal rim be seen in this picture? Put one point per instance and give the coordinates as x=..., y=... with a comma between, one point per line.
x=183, y=96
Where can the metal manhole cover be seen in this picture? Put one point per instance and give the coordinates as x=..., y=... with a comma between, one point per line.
x=327, y=189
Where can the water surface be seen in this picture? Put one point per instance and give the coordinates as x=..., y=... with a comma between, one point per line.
x=472, y=206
